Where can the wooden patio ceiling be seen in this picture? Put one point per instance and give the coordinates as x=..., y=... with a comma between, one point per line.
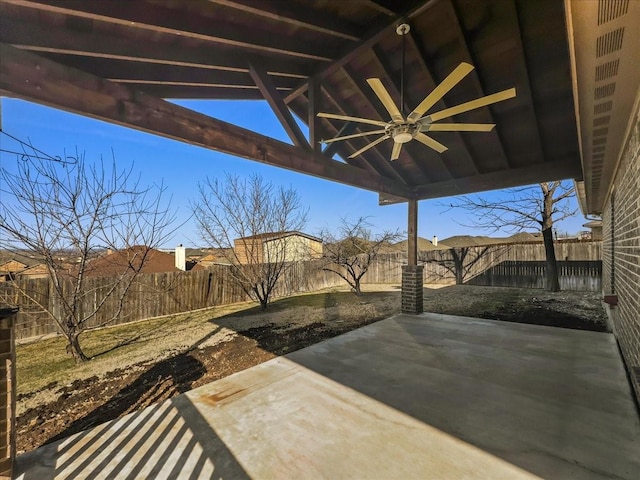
x=117, y=60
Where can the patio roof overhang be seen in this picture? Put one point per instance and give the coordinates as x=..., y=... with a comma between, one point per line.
x=118, y=61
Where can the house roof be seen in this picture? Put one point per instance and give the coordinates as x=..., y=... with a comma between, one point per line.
x=275, y=235
x=117, y=61
x=11, y=266
x=38, y=269
x=139, y=258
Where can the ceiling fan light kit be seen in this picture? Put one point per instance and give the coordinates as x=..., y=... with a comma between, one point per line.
x=402, y=129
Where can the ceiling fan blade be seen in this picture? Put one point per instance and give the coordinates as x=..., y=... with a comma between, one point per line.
x=395, y=153
x=459, y=127
x=367, y=147
x=430, y=142
x=355, y=135
x=382, y=93
x=352, y=119
x=440, y=91
x=473, y=104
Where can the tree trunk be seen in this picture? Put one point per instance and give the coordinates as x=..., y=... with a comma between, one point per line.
x=264, y=302
x=553, y=284
x=356, y=287
x=75, y=349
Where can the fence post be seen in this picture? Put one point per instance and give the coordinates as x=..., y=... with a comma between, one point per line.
x=7, y=392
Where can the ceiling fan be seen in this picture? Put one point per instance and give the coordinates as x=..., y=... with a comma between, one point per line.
x=415, y=125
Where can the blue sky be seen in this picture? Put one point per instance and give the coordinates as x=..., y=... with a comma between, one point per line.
x=181, y=165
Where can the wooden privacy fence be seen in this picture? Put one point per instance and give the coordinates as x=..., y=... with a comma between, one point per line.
x=439, y=264
x=152, y=295
x=581, y=275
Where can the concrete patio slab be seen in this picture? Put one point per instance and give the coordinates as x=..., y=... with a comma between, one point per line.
x=429, y=396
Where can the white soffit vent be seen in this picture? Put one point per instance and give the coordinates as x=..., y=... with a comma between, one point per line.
x=605, y=37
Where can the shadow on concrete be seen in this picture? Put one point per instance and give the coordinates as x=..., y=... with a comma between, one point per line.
x=169, y=440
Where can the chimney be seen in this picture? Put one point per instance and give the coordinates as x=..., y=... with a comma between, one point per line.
x=435, y=241
x=181, y=255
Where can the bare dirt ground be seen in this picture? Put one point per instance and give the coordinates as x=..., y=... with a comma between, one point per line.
x=161, y=358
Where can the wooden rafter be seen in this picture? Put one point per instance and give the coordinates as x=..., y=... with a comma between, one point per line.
x=28, y=76
x=175, y=22
x=297, y=15
x=157, y=74
x=524, y=85
x=505, y=178
x=467, y=57
x=368, y=40
x=282, y=112
x=315, y=106
x=38, y=39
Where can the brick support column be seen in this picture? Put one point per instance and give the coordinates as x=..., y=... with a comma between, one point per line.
x=412, y=282
x=7, y=392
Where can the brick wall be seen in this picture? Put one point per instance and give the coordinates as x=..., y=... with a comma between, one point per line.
x=621, y=255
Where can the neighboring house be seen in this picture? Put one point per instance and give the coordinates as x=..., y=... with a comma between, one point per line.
x=276, y=246
x=35, y=271
x=139, y=258
x=220, y=256
x=9, y=269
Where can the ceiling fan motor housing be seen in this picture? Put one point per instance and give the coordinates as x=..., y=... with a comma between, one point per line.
x=403, y=133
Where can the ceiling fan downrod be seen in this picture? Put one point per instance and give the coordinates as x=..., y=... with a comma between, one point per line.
x=402, y=30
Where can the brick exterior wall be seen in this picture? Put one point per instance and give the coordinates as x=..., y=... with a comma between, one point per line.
x=412, y=284
x=621, y=255
x=7, y=393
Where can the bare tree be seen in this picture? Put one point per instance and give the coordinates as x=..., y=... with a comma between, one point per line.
x=352, y=249
x=249, y=221
x=460, y=260
x=65, y=212
x=525, y=208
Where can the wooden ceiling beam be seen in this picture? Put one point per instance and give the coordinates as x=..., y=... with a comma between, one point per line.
x=190, y=92
x=297, y=15
x=33, y=78
x=467, y=57
x=313, y=121
x=144, y=73
x=559, y=170
x=282, y=112
x=138, y=15
x=378, y=6
x=35, y=37
x=379, y=30
x=524, y=85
